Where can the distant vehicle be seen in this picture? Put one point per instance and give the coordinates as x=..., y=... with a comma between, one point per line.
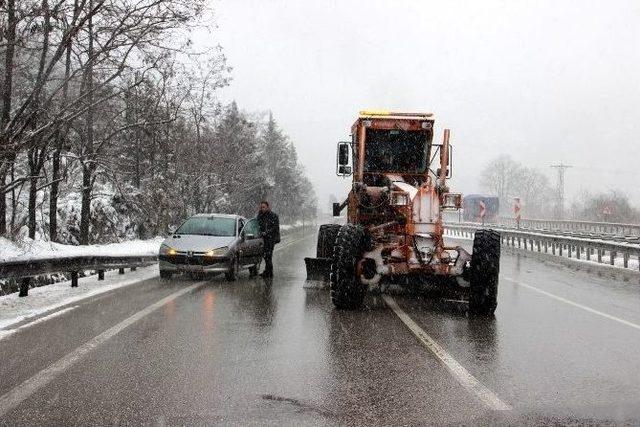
x=471, y=206
x=212, y=243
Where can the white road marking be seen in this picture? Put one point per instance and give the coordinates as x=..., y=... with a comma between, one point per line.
x=575, y=304
x=468, y=381
x=5, y=333
x=279, y=248
x=22, y=391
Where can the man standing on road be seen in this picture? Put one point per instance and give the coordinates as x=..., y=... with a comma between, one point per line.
x=270, y=232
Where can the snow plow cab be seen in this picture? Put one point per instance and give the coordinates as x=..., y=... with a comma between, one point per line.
x=394, y=229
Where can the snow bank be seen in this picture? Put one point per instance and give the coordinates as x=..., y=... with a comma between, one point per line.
x=29, y=249
x=14, y=309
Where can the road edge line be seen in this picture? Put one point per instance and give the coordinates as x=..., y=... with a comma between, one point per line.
x=468, y=381
x=25, y=389
x=574, y=304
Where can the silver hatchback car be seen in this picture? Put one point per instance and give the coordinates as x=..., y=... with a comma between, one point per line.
x=212, y=243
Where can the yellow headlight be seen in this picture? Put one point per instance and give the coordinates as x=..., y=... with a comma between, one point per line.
x=217, y=252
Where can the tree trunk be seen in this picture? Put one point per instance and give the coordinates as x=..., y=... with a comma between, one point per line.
x=14, y=199
x=60, y=135
x=33, y=194
x=7, y=89
x=36, y=161
x=3, y=206
x=88, y=165
x=85, y=210
x=53, y=196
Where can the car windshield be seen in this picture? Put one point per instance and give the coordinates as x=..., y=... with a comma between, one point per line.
x=209, y=226
x=395, y=150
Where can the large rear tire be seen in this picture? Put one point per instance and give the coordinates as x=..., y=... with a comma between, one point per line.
x=327, y=235
x=346, y=290
x=485, y=269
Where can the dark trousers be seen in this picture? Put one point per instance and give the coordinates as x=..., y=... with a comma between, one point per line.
x=268, y=258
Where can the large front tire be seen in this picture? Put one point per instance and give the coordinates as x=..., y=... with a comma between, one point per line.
x=327, y=235
x=346, y=290
x=485, y=269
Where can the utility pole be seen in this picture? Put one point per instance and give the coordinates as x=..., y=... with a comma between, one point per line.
x=559, y=210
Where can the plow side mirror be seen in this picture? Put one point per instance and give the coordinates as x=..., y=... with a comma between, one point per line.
x=343, y=168
x=336, y=209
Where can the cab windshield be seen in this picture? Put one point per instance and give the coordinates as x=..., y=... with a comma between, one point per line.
x=389, y=150
x=209, y=226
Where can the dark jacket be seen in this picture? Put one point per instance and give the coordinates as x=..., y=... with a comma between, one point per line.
x=269, y=227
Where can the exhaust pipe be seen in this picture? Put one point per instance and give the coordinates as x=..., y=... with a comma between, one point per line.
x=444, y=158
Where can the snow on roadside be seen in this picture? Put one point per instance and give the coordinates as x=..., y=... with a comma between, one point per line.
x=14, y=309
x=29, y=249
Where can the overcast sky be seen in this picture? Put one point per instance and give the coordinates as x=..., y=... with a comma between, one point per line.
x=542, y=81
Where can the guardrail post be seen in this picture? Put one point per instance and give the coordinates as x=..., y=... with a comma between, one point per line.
x=100, y=274
x=612, y=256
x=560, y=247
x=24, y=286
x=569, y=250
x=121, y=270
x=625, y=259
x=74, y=279
x=589, y=252
x=599, y=256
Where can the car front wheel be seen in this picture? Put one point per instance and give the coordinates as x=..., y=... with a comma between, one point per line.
x=232, y=273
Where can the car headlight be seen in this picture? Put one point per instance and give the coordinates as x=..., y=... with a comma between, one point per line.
x=167, y=250
x=218, y=252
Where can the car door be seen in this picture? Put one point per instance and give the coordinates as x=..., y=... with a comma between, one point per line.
x=252, y=241
x=243, y=256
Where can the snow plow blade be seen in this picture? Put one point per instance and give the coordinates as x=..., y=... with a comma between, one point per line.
x=318, y=270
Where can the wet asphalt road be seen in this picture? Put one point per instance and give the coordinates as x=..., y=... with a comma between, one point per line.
x=563, y=348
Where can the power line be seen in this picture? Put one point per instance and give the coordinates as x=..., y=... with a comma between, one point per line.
x=559, y=210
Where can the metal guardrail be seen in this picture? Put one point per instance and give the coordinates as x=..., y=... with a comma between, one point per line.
x=593, y=250
x=595, y=227
x=560, y=232
x=612, y=228
x=25, y=270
